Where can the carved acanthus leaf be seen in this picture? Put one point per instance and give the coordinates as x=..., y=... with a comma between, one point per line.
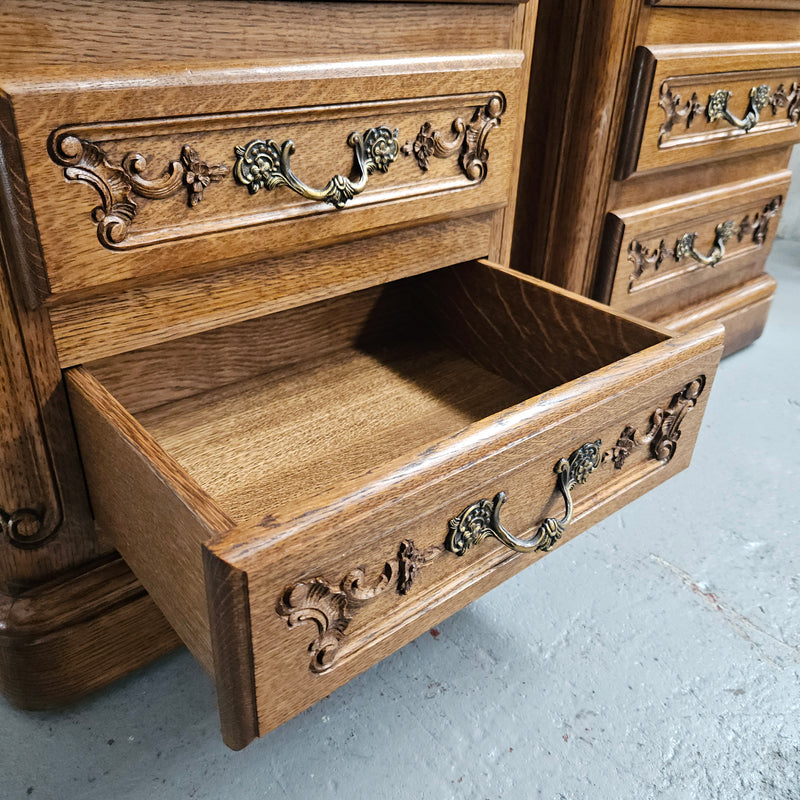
x=665, y=427
x=331, y=607
x=469, y=140
x=645, y=258
x=87, y=162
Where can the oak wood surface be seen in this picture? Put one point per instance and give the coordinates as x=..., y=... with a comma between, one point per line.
x=751, y=4
x=403, y=449
x=317, y=106
x=74, y=634
x=699, y=70
x=569, y=231
x=152, y=512
x=584, y=80
x=40, y=468
x=109, y=61
x=742, y=310
x=93, y=35
x=652, y=231
x=138, y=315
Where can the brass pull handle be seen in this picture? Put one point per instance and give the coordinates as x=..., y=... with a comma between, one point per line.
x=685, y=245
x=482, y=519
x=718, y=107
x=265, y=164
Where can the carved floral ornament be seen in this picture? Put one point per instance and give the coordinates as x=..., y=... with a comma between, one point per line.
x=261, y=164
x=331, y=606
x=685, y=112
x=646, y=256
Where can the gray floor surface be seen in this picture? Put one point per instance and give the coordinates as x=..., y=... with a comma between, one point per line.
x=657, y=655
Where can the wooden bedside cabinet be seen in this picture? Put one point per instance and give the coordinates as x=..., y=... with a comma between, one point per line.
x=263, y=349
x=660, y=173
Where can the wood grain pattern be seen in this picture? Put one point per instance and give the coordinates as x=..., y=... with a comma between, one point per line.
x=567, y=228
x=75, y=634
x=137, y=489
x=596, y=51
x=695, y=72
x=335, y=448
x=93, y=36
x=647, y=276
x=46, y=523
x=752, y=4
x=742, y=310
x=142, y=314
x=315, y=106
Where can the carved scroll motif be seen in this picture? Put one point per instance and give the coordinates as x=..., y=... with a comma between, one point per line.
x=469, y=140
x=677, y=111
x=664, y=431
x=87, y=162
x=331, y=607
x=646, y=258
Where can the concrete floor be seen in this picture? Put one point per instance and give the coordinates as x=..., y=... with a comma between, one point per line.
x=658, y=655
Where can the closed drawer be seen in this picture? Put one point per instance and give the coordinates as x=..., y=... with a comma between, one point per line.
x=304, y=493
x=703, y=102
x=130, y=176
x=660, y=256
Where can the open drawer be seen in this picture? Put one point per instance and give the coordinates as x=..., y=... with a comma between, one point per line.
x=304, y=493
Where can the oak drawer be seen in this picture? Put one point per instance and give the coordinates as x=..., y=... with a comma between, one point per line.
x=130, y=175
x=660, y=256
x=693, y=103
x=298, y=492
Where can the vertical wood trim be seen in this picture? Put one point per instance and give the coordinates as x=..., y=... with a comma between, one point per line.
x=231, y=642
x=522, y=38
x=20, y=241
x=608, y=258
x=644, y=70
x=605, y=34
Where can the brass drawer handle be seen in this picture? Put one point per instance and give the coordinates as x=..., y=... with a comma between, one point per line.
x=685, y=245
x=482, y=519
x=265, y=164
x=718, y=107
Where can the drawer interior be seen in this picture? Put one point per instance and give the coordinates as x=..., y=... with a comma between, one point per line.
x=279, y=409
x=242, y=468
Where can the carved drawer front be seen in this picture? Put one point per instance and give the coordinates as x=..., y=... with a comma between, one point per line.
x=701, y=102
x=306, y=492
x=658, y=257
x=129, y=177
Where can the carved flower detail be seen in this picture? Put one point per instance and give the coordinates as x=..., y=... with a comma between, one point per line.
x=199, y=175
x=423, y=146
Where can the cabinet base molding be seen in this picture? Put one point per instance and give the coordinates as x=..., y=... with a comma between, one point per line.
x=76, y=634
x=743, y=311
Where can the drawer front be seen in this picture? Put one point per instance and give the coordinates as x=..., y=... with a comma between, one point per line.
x=703, y=102
x=131, y=177
x=305, y=595
x=660, y=256
x=369, y=579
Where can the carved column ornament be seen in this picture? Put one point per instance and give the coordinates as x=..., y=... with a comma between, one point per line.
x=87, y=162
